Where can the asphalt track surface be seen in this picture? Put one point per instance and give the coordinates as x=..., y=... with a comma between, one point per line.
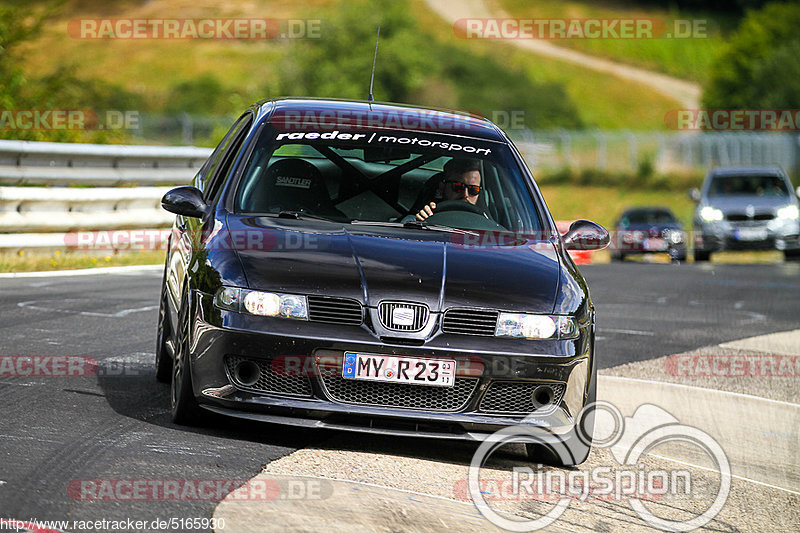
x=114, y=423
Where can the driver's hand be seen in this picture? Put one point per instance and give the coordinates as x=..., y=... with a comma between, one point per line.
x=426, y=211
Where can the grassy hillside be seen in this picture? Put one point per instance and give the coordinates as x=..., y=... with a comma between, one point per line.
x=688, y=58
x=154, y=71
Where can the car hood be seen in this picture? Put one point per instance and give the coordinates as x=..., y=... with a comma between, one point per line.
x=738, y=204
x=372, y=264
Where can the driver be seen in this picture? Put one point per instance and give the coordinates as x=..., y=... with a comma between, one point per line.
x=462, y=181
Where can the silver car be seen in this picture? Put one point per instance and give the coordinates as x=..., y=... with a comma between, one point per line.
x=746, y=208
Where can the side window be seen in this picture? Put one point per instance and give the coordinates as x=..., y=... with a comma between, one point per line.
x=220, y=159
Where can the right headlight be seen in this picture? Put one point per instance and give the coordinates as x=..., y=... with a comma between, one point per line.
x=711, y=214
x=262, y=303
x=790, y=212
x=676, y=236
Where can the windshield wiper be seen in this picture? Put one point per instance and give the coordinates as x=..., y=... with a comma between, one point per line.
x=299, y=215
x=414, y=224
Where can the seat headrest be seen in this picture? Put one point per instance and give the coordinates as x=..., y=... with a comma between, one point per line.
x=293, y=174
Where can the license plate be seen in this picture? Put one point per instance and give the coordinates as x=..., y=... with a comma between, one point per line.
x=655, y=245
x=398, y=369
x=751, y=234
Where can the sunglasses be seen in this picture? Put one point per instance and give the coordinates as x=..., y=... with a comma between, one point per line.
x=459, y=186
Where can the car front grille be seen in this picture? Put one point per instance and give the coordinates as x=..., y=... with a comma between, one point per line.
x=516, y=397
x=335, y=310
x=741, y=217
x=269, y=381
x=470, y=321
x=400, y=395
x=418, y=315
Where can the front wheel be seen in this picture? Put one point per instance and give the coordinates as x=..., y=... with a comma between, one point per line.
x=701, y=255
x=791, y=255
x=164, y=344
x=184, y=407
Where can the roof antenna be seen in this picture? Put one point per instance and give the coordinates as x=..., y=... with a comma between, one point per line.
x=371, y=98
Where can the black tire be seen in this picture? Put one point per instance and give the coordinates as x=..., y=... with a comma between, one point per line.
x=701, y=255
x=578, y=440
x=618, y=256
x=184, y=407
x=163, y=354
x=791, y=255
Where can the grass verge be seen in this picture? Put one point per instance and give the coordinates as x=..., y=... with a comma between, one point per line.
x=38, y=261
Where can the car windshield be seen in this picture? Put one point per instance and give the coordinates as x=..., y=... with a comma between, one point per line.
x=748, y=185
x=385, y=177
x=649, y=217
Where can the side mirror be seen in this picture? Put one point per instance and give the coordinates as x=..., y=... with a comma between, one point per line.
x=797, y=191
x=694, y=194
x=187, y=201
x=585, y=235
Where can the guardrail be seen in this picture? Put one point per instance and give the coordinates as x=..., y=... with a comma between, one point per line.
x=43, y=209
x=47, y=213
x=28, y=162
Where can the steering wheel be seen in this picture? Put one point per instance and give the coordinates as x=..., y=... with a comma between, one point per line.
x=457, y=205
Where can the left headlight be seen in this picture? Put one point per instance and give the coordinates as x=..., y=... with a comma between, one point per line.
x=262, y=303
x=542, y=327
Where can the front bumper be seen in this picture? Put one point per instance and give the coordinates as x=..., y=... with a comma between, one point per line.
x=641, y=242
x=314, y=394
x=725, y=235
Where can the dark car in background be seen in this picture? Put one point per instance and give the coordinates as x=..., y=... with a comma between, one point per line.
x=648, y=230
x=300, y=289
x=746, y=208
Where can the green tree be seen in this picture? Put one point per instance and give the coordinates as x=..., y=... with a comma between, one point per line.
x=760, y=67
x=413, y=68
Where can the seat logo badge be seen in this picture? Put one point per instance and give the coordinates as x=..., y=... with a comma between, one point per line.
x=403, y=316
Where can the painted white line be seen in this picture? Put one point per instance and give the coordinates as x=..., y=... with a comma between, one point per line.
x=704, y=389
x=83, y=271
x=37, y=439
x=740, y=423
x=627, y=331
x=718, y=472
x=119, y=314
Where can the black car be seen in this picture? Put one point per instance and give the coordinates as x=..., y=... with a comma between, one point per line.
x=648, y=230
x=301, y=288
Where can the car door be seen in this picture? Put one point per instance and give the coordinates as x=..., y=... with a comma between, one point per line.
x=186, y=231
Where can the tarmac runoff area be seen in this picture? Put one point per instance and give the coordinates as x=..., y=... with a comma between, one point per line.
x=359, y=482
